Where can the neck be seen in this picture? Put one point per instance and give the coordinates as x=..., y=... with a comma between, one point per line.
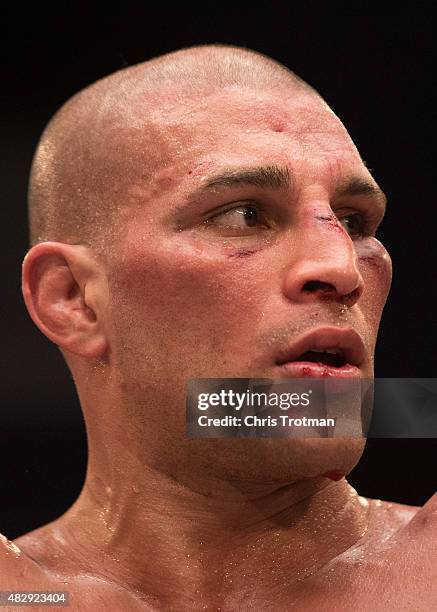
x=175, y=545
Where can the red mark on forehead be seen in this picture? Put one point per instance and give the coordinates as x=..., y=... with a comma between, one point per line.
x=278, y=122
x=271, y=115
x=201, y=168
x=278, y=127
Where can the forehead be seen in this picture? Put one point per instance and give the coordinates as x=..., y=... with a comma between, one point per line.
x=242, y=126
x=285, y=110
x=187, y=139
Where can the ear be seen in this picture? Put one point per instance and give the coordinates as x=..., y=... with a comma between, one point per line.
x=64, y=288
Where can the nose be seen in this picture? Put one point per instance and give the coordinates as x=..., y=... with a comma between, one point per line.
x=323, y=264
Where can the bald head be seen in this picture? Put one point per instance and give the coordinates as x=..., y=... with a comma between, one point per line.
x=216, y=187
x=110, y=136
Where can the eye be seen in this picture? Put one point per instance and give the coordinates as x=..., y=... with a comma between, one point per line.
x=356, y=225
x=239, y=219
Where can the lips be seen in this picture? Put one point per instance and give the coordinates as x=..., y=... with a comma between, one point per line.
x=324, y=352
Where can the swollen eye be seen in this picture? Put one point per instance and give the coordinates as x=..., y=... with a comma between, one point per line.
x=353, y=224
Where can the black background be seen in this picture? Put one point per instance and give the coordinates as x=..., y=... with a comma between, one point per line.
x=377, y=71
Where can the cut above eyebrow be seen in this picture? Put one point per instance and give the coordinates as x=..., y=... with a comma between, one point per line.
x=268, y=177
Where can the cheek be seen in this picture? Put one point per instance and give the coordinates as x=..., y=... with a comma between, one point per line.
x=375, y=266
x=199, y=294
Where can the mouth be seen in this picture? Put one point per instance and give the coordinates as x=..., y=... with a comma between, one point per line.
x=324, y=352
x=329, y=356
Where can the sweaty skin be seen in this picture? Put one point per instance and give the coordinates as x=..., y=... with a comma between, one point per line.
x=188, y=289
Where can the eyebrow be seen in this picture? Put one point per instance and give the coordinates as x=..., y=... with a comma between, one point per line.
x=267, y=177
x=356, y=186
x=279, y=177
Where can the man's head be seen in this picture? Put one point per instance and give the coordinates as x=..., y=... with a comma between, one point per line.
x=192, y=217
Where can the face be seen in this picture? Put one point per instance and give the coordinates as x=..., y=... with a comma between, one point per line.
x=215, y=277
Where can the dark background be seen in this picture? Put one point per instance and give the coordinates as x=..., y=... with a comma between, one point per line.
x=377, y=71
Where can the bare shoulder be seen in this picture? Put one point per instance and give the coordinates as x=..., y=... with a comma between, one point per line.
x=421, y=532
x=406, y=537
x=393, y=566
x=414, y=520
x=30, y=563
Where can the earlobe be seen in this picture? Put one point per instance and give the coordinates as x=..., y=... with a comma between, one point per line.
x=56, y=280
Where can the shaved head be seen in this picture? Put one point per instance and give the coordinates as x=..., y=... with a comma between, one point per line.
x=111, y=137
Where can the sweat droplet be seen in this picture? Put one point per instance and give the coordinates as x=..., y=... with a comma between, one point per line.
x=363, y=501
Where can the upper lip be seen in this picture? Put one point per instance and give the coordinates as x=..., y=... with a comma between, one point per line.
x=346, y=339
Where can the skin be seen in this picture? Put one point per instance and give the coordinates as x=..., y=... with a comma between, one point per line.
x=169, y=523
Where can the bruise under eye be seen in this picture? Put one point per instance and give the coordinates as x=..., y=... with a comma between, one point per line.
x=373, y=253
x=241, y=253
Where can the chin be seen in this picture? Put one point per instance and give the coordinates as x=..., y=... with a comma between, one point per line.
x=277, y=460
